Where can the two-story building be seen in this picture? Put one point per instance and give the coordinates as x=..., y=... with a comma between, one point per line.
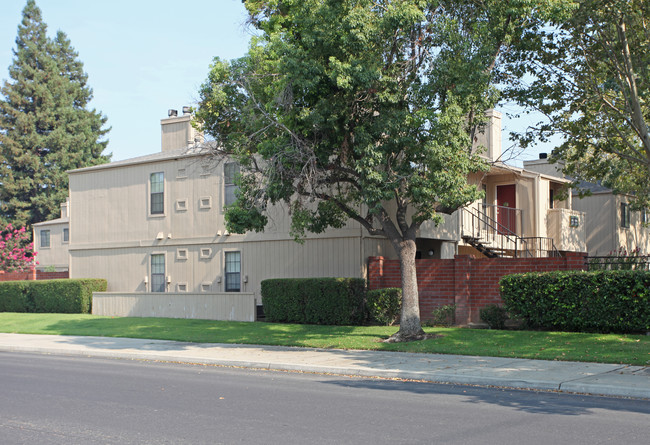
x=611, y=225
x=155, y=225
x=51, y=241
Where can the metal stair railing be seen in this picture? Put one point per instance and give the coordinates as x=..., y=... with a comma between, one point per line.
x=492, y=234
x=541, y=244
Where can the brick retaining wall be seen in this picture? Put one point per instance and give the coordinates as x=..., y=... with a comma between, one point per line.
x=470, y=283
x=32, y=275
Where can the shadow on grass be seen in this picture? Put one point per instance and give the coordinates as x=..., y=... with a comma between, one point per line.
x=564, y=346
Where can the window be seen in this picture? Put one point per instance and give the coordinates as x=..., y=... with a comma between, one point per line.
x=205, y=202
x=66, y=235
x=182, y=287
x=45, y=238
x=230, y=172
x=551, y=199
x=158, y=272
x=645, y=218
x=233, y=271
x=625, y=215
x=181, y=205
x=205, y=287
x=181, y=254
x=157, y=194
x=205, y=253
x=574, y=221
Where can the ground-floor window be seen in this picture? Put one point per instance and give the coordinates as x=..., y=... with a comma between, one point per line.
x=158, y=272
x=233, y=271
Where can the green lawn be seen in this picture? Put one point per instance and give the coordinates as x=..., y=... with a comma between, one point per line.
x=603, y=348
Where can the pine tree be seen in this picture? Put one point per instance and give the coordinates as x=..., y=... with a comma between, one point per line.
x=46, y=127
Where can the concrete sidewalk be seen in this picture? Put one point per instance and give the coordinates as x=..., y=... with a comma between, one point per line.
x=587, y=378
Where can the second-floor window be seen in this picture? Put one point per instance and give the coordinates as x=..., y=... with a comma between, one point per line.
x=45, y=238
x=230, y=172
x=625, y=215
x=157, y=205
x=66, y=235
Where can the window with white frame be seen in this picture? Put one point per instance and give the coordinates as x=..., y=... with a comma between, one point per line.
x=66, y=235
x=158, y=272
x=233, y=271
x=157, y=187
x=625, y=215
x=230, y=173
x=45, y=238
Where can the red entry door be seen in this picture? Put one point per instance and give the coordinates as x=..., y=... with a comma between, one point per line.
x=506, y=200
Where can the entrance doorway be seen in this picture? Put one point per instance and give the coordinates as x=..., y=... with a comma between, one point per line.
x=506, y=208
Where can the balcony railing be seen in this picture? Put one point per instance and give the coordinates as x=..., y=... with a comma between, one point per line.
x=495, y=231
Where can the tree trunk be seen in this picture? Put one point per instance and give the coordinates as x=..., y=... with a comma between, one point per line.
x=410, y=327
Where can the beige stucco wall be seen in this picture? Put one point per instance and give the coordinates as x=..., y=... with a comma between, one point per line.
x=567, y=238
x=604, y=231
x=212, y=306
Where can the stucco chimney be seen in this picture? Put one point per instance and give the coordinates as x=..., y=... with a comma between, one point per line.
x=177, y=131
x=489, y=136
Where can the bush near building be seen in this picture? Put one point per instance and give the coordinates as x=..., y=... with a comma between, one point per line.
x=72, y=296
x=329, y=301
x=601, y=301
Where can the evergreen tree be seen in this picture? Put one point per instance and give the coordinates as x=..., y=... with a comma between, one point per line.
x=46, y=127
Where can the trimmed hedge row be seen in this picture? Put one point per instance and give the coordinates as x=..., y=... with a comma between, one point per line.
x=602, y=301
x=70, y=296
x=330, y=301
x=384, y=305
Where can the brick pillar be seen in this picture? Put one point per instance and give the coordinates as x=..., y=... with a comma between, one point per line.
x=375, y=272
x=462, y=288
x=575, y=261
x=33, y=274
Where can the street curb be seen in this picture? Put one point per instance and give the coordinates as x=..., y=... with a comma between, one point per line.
x=571, y=386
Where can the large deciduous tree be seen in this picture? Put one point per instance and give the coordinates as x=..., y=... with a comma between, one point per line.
x=361, y=110
x=46, y=126
x=590, y=76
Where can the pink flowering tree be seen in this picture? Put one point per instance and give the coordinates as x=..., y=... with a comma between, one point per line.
x=16, y=251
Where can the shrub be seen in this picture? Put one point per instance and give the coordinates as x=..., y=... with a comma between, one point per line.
x=72, y=296
x=601, y=301
x=384, y=305
x=331, y=301
x=443, y=316
x=14, y=296
x=494, y=315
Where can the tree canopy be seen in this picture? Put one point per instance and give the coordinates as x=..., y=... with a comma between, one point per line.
x=589, y=74
x=46, y=127
x=362, y=110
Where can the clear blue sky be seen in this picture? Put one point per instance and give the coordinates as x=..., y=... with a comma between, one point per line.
x=144, y=57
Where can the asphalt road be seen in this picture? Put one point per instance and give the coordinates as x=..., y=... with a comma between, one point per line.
x=48, y=399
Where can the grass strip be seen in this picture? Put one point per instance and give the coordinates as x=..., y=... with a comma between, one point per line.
x=568, y=346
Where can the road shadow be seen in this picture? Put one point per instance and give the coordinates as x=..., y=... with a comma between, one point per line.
x=529, y=401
